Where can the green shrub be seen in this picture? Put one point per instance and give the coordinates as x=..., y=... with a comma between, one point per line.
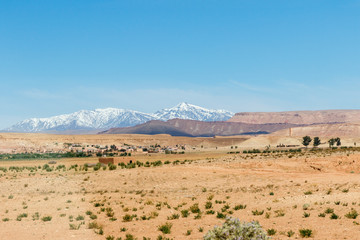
x=112, y=166
x=234, y=229
x=271, y=231
x=129, y=237
x=46, y=218
x=305, y=233
x=208, y=205
x=74, y=226
x=220, y=215
x=93, y=225
x=352, y=215
x=195, y=208
x=165, y=228
x=329, y=210
x=173, y=216
x=240, y=206
x=290, y=233
x=185, y=213
x=257, y=213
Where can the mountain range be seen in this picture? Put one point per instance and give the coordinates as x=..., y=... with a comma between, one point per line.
x=193, y=128
x=102, y=119
x=323, y=123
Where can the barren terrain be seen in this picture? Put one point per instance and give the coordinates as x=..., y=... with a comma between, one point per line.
x=283, y=191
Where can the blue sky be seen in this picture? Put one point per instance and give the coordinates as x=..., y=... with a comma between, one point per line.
x=246, y=55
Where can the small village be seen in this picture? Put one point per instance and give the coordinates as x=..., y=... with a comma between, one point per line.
x=78, y=149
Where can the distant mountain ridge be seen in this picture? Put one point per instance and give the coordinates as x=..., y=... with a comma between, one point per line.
x=192, y=112
x=193, y=128
x=250, y=123
x=101, y=119
x=298, y=117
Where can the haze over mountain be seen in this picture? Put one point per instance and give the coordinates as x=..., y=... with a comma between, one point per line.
x=101, y=119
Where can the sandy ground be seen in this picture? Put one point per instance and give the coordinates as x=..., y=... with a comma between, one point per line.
x=278, y=185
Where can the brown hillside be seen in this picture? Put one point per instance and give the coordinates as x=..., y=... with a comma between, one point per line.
x=327, y=130
x=180, y=127
x=298, y=117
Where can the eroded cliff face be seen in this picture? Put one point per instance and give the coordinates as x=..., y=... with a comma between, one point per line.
x=298, y=117
x=347, y=130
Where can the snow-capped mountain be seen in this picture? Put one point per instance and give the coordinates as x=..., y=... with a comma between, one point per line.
x=192, y=112
x=114, y=117
x=83, y=120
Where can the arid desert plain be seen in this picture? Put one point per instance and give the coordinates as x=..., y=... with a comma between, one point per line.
x=180, y=196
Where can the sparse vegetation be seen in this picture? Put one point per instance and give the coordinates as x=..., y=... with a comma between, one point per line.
x=234, y=229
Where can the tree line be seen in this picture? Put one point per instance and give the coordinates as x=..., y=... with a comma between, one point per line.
x=307, y=140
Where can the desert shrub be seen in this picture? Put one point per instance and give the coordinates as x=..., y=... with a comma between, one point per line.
x=36, y=216
x=271, y=231
x=112, y=166
x=165, y=228
x=97, y=166
x=46, y=218
x=329, y=210
x=73, y=226
x=209, y=212
x=240, y=206
x=156, y=163
x=129, y=237
x=93, y=225
x=290, y=233
x=305, y=233
x=225, y=208
x=352, y=215
x=195, y=208
x=21, y=216
x=233, y=229
x=127, y=218
x=257, y=213
x=173, y=216
x=185, y=213
x=220, y=215
x=306, y=206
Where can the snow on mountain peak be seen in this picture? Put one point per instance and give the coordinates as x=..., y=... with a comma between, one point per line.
x=193, y=112
x=114, y=117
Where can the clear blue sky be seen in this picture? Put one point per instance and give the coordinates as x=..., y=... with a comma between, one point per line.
x=245, y=55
